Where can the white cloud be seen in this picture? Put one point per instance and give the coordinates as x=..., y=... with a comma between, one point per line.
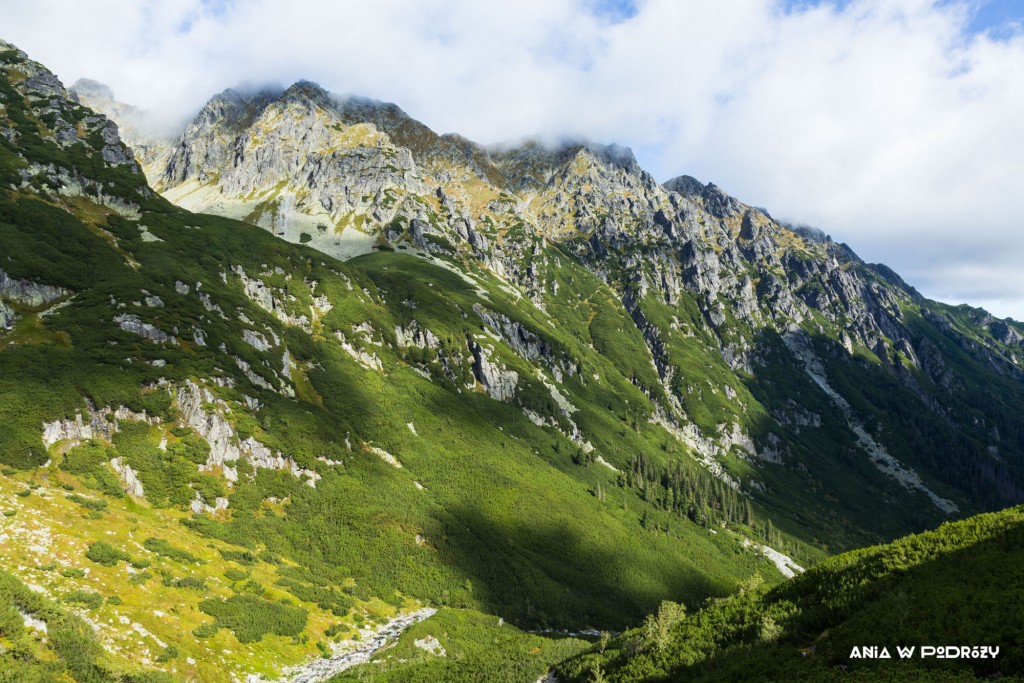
x=886, y=123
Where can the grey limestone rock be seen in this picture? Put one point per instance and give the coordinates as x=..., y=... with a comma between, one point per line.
x=29, y=293
x=414, y=335
x=205, y=413
x=7, y=316
x=499, y=382
x=129, y=478
x=134, y=324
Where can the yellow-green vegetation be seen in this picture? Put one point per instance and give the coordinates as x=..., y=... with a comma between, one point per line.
x=267, y=204
x=41, y=640
x=149, y=583
x=87, y=210
x=351, y=219
x=31, y=330
x=304, y=389
x=357, y=135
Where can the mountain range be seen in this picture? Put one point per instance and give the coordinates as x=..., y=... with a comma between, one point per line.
x=310, y=366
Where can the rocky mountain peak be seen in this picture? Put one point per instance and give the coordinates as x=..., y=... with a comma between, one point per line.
x=426, y=146
x=204, y=145
x=357, y=109
x=38, y=81
x=89, y=89
x=710, y=196
x=613, y=155
x=234, y=108
x=7, y=47
x=62, y=129
x=531, y=163
x=306, y=92
x=150, y=148
x=688, y=186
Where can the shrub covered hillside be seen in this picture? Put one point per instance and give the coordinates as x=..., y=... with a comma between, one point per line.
x=958, y=585
x=233, y=454
x=542, y=392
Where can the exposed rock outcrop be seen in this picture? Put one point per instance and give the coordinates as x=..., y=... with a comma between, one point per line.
x=129, y=478
x=206, y=413
x=28, y=293
x=497, y=380
x=130, y=322
x=98, y=423
x=149, y=147
x=7, y=317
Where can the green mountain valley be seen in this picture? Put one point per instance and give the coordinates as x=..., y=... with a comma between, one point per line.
x=311, y=392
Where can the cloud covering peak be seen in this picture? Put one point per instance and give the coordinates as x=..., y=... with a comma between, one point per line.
x=891, y=124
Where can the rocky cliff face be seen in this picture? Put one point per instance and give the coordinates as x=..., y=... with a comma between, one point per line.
x=25, y=295
x=302, y=163
x=77, y=134
x=750, y=279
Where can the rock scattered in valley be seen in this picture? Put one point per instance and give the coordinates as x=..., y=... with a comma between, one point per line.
x=352, y=653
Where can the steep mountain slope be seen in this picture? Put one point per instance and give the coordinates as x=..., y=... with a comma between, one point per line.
x=231, y=454
x=957, y=586
x=791, y=369
x=545, y=389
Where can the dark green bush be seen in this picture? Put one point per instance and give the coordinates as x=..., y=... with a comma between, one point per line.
x=251, y=618
x=170, y=652
x=165, y=549
x=103, y=553
x=96, y=505
x=90, y=599
x=190, y=582
x=233, y=574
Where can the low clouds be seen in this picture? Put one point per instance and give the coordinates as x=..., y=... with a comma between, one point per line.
x=891, y=124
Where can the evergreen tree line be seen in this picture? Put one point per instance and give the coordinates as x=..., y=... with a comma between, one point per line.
x=689, y=492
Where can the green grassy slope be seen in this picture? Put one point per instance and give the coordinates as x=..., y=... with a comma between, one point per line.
x=957, y=585
x=473, y=647
x=67, y=650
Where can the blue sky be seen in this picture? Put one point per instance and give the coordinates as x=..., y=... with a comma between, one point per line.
x=614, y=10
x=893, y=125
x=997, y=16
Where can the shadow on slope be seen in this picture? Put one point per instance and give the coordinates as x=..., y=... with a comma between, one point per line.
x=549, y=573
